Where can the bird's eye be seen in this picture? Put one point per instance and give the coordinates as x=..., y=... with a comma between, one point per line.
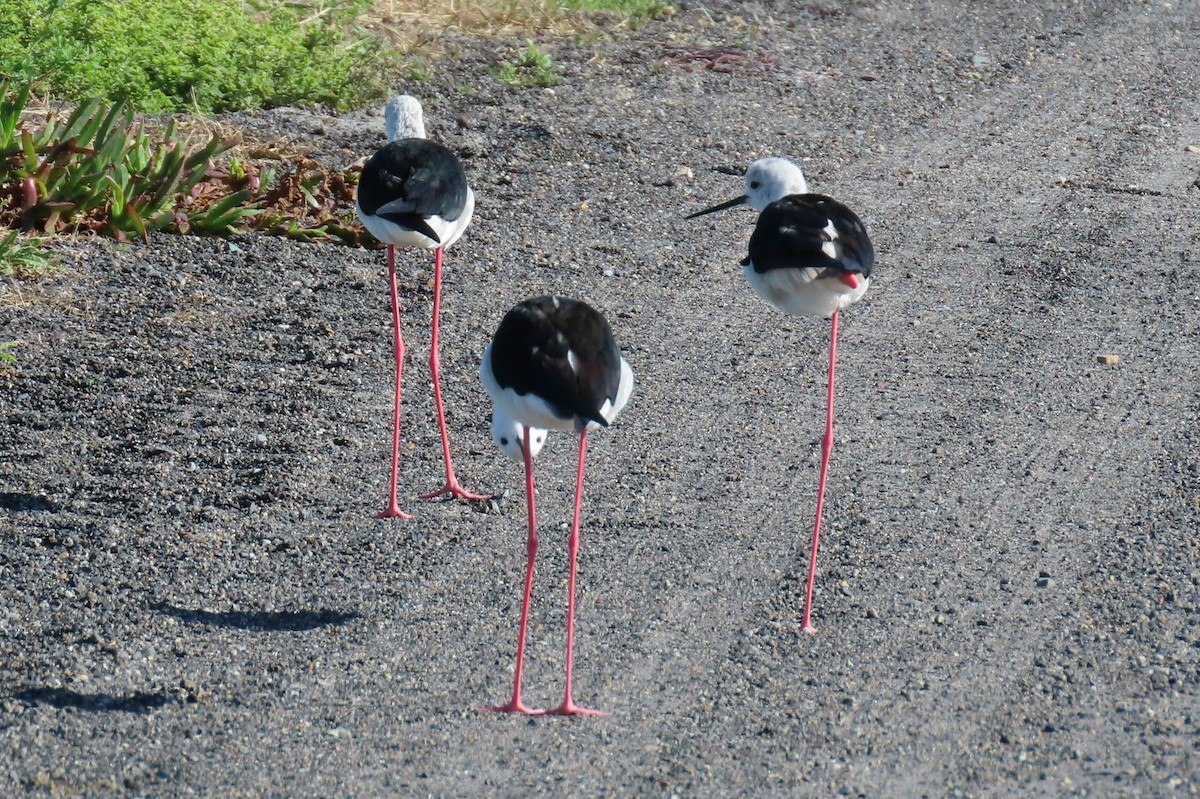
x=504, y=442
x=754, y=184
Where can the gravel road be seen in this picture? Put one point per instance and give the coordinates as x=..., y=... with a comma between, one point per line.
x=195, y=598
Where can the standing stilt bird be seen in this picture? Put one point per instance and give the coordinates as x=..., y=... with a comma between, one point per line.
x=414, y=193
x=552, y=365
x=811, y=256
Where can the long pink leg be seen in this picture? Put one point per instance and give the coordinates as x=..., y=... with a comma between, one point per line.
x=826, y=449
x=516, y=705
x=392, y=511
x=452, y=486
x=568, y=707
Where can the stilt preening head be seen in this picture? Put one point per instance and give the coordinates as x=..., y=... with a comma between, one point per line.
x=413, y=193
x=809, y=255
x=509, y=435
x=552, y=365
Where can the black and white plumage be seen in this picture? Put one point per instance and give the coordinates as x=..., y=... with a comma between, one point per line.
x=552, y=365
x=809, y=255
x=413, y=193
x=805, y=247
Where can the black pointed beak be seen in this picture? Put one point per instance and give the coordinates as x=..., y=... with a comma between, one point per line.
x=729, y=204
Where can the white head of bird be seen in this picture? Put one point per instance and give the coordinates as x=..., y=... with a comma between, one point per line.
x=509, y=436
x=771, y=179
x=404, y=119
x=767, y=180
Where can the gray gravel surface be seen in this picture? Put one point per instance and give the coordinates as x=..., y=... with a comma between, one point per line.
x=195, y=598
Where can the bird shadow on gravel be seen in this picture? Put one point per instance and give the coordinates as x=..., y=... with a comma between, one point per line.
x=259, y=621
x=19, y=501
x=140, y=702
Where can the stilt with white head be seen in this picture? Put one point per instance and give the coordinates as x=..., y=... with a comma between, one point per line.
x=553, y=364
x=809, y=255
x=413, y=193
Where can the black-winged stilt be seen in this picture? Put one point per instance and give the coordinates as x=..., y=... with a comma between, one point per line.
x=552, y=365
x=414, y=193
x=809, y=255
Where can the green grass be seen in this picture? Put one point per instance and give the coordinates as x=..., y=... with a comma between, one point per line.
x=629, y=8
x=532, y=67
x=196, y=55
x=417, y=26
x=417, y=69
x=212, y=56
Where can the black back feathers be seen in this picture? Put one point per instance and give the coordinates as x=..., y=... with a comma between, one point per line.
x=409, y=180
x=561, y=350
x=793, y=233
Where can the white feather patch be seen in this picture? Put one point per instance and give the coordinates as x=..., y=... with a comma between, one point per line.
x=804, y=292
x=390, y=233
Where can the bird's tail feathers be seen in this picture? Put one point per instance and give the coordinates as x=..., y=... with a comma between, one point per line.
x=422, y=227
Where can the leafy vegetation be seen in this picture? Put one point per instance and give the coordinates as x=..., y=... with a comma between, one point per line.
x=97, y=170
x=532, y=67
x=310, y=202
x=22, y=256
x=201, y=55
x=6, y=356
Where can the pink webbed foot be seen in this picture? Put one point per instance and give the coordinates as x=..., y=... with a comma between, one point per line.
x=569, y=708
x=457, y=491
x=392, y=511
x=515, y=706
x=808, y=628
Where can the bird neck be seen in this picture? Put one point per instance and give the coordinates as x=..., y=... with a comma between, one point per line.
x=404, y=121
